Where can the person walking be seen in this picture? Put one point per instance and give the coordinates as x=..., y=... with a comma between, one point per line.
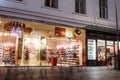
x=109, y=62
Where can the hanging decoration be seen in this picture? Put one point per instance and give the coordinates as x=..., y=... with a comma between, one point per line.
x=77, y=32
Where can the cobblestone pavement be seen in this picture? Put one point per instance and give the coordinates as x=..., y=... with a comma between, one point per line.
x=58, y=73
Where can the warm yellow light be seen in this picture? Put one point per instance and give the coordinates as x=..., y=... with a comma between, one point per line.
x=0, y=21
x=44, y=41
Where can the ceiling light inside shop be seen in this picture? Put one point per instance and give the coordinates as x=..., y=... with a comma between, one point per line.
x=43, y=40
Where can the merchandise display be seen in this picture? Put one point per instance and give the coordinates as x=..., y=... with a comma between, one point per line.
x=66, y=55
x=8, y=50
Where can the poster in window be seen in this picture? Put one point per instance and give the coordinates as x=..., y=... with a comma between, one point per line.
x=91, y=49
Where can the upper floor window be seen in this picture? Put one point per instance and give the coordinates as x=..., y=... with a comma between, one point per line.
x=51, y=3
x=16, y=0
x=19, y=0
x=80, y=6
x=103, y=7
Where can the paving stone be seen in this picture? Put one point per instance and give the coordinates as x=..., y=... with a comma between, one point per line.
x=58, y=73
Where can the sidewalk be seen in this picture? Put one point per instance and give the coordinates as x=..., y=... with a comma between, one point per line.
x=58, y=73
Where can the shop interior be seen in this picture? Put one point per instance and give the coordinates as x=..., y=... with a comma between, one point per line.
x=67, y=51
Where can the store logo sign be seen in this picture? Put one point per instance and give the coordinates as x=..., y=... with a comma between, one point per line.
x=60, y=32
x=17, y=28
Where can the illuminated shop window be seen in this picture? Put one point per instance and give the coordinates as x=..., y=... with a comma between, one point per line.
x=91, y=49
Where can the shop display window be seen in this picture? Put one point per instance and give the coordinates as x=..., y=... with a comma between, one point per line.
x=110, y=49
x=8, y=49
x=101, y=50
x=116, y=47
x=67, y=51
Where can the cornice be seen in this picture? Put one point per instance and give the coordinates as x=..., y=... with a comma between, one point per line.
x=52, y=18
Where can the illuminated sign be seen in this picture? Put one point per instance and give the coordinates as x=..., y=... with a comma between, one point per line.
x=91, y=49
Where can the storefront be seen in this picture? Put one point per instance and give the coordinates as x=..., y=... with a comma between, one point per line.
x=101, y=46
x=26, y=43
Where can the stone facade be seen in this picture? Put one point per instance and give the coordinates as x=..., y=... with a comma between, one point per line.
x=64, y=14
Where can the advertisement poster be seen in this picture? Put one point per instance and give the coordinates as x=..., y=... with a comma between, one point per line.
x=91, y=49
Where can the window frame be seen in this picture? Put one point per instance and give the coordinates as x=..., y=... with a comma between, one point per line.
x=51, y=3
x=80, y=6
x=103, y=9
x=17, y=1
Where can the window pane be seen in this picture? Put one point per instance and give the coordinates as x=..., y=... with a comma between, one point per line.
x=19, y=0
x=51, y=3
x=80, y=6
x=104, y=16
x=47, y=3
x=76, y=6
x=54, y=3
x=103, y=9
x=100, y=12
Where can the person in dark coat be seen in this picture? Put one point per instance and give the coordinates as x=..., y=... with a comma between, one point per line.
x=109, y=62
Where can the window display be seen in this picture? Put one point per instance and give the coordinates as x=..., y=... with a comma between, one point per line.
x=101, y=50
x=110, y=48
x=29, y=43
x=8, y=49
x=68, y=52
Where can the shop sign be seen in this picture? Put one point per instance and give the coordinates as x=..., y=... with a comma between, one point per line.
x=60, y=32
x=17, y=27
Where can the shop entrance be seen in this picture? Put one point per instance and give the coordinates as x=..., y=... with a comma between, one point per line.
x=30, y=50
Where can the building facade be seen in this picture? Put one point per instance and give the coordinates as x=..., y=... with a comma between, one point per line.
x=77, y=32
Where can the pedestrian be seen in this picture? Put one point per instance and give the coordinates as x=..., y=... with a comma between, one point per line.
x=109, y=63
x=53, y=60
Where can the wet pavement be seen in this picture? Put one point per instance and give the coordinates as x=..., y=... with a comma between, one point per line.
x=58, y=73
